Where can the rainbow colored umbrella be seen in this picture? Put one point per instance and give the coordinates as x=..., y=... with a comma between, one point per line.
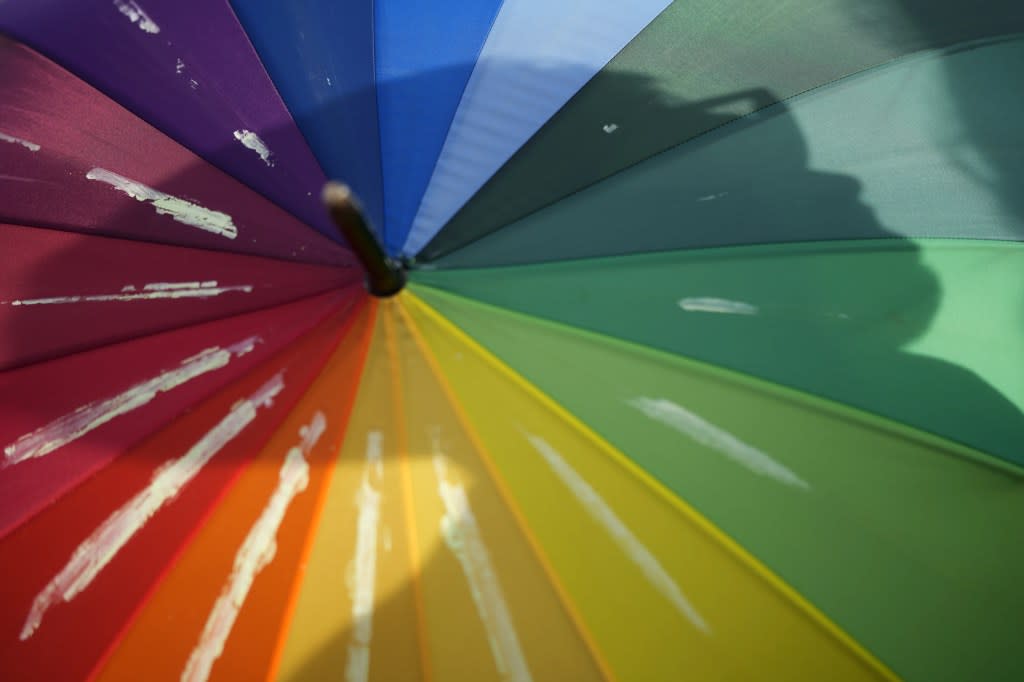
x=710, y=364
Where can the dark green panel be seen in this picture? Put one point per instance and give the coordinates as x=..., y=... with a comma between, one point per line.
x=703, y=63
x=909, y=543
x=929, y=332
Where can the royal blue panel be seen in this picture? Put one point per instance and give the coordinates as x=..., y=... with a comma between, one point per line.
x=424, y=57
x=319, y=53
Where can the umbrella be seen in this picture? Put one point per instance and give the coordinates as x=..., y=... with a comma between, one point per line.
x=707, y=366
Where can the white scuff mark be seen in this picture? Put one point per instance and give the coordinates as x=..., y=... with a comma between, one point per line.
x=100, y=548
x=712, y=197
x=707, y=434
x=179, y=66
x=610, y=128
x=255, y=553
x=136, y=15
x=705, y=304
x=91, y=416
x=363, y=570
x=150, y=292
x=251, y=140
x=179, y=209
x=462, y=536
x=193, y=83
x=31, y=146
x=637, y=552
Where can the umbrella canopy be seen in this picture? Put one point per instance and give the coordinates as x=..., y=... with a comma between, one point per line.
x=709, y=364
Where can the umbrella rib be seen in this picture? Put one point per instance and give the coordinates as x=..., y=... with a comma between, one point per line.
x=692, y=514
x=407, y=488
x=506, y=496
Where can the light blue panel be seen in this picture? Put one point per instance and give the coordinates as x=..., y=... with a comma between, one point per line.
x=319, y=53
x=424, y=58
x=539, y=53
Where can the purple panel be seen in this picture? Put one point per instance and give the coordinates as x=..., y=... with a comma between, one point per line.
x=186, y=67
x=72, y=159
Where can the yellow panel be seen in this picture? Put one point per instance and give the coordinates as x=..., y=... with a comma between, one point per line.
x=665, y=595
x=451, y=586
x=491, y=611
x=364, y=517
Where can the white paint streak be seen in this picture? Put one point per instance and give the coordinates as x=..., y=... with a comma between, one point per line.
x=90, y=416
x=717, y=305
x=620, y=532
x=101, y=547
x=462, y=535
x=255, y=553
x=707, y=434
x=31, y=146
x=180, y=210
x=251, y=140
x=712, y=197
x=363, y=570
x=610, y=128
x=150, y=292
x=179, y=66
x=136, y=15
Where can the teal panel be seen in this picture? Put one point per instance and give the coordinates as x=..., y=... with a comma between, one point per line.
x=909, y=543
x=893, y=141
x=928, y=332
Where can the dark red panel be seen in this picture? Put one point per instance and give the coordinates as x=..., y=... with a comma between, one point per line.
x=64, y=292
x=137, y=386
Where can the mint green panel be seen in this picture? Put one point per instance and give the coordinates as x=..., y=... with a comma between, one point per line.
x=926, y=332
x=927, y=146
x=908, y=542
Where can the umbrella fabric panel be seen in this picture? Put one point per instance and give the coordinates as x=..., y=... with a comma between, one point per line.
x=701, y=65
x=537, y=55
x=78, y=161
x=664, y=593
x=110, y=398
x=423, y=57
x=110, y=540
x=65, y=292
x=859, y=515
x=217, y=607
x=486, y=586
x=320, y=56
x=463, y=586
x=188, y=69
x=363, y=532
x=925, y=332
x=892, y=152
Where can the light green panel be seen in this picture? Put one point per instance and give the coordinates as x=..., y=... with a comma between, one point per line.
x=925, y=332
x=908, y=542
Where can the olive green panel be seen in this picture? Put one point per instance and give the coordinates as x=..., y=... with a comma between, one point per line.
x=926, y=332
x=704, y=63
x=908, y=542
